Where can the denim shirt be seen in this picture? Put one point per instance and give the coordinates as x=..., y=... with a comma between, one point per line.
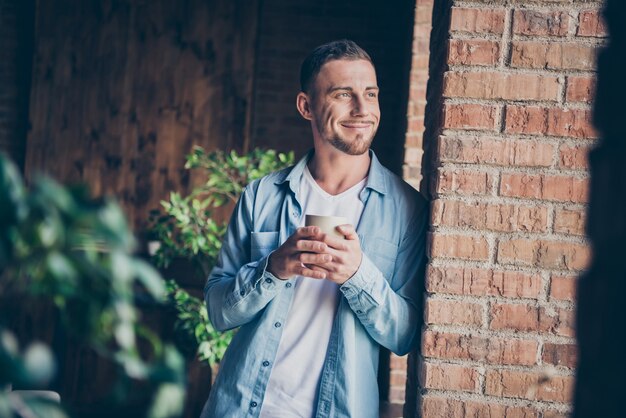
x=379, y=305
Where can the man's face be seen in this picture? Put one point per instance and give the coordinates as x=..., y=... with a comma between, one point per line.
x=344, y=105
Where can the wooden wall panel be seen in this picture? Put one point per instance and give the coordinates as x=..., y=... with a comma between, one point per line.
x=122, y=90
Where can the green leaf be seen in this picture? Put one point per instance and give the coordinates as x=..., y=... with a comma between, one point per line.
x=150, y=279
x=61, y=268
x=168, y=401
x=12, y=193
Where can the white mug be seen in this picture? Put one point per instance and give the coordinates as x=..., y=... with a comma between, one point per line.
x=328, y=224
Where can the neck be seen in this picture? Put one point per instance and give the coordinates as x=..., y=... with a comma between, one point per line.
x=336, y=172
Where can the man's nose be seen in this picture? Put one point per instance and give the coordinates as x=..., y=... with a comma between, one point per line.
x=359, y=106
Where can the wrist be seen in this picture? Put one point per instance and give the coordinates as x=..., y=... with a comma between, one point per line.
x=271, y=268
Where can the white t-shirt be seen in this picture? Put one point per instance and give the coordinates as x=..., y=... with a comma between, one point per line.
x=292, y=388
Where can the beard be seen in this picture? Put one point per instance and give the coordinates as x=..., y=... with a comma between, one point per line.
x=360, y=145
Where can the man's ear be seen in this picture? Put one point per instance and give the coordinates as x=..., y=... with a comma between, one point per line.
x=303, y=103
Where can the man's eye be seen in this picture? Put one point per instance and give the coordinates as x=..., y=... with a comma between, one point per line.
x=343, y=95
x=372, y=95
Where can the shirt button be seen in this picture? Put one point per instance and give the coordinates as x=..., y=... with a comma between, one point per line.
x=266, y=363
x=268, y=280
x=277, y=324
x=253, y=404
x=243, y=292
x=288, y=285
x=359, y=311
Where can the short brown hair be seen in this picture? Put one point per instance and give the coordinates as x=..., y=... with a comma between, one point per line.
x=336, y=50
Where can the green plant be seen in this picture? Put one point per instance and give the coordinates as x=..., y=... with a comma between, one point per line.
x=186, y=229
x=58, y=244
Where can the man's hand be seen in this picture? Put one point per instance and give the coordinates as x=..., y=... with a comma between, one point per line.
x=302, y=249
x=346, y=255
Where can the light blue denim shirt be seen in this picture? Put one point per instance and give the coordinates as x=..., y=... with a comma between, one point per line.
x=380, y=305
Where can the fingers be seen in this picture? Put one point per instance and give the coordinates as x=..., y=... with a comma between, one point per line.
x=308, y=232
x=348, y=231
x=314, y=272
x=311, y=258
x=334, y=242
x=311, y=246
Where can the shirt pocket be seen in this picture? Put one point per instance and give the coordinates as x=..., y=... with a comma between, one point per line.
x=262, y=243
x=384, y=254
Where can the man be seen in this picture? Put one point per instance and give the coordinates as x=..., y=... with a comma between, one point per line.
x=313, y=310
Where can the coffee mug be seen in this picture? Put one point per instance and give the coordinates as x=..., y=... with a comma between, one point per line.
x=328, y=224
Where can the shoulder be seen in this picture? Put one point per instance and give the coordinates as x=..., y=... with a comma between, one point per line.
x=269, y=182
x=265, y=194
x=402, y=193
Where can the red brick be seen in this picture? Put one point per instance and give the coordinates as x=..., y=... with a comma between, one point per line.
x=580, y=89
x=480, y=282
x=550, y=413
x=397, y=394
x=591, y=23
x=477, y=20
x=529, y=385
x=490, y=350
x=574, y=156
x=433, y=406
x=563, y=288
x=560, y=354
x=496, y=85
x=423, y=13
x=414, y=139
x=465, y=182
x=397, y=362
x=469, y=116
x=517, y=317
x=569, y=221
x=422, y=31
x=473, y=52
x=463, y=247
x=534, y=120
x=416, y=125
x=543, y=186
x=453, y=312
x=397, y=378
x=419, y=77
x=420, y=59
x=557, y=321
x=449, y=377
x=416, y=107
x=485, y=150
x=553, y=55
x=544, y=254
x=540, y=23
x=413, y=155
x=521, y=317
x=489, y=216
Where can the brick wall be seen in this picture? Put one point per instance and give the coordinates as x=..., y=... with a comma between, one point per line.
x=508, y=208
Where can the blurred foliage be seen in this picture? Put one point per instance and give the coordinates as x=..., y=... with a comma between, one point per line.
x=185, y=229
x=58, y=244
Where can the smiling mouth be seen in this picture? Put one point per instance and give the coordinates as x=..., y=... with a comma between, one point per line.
x=357, y=125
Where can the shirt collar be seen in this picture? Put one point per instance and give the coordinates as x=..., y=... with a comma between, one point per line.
x=376, y=179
